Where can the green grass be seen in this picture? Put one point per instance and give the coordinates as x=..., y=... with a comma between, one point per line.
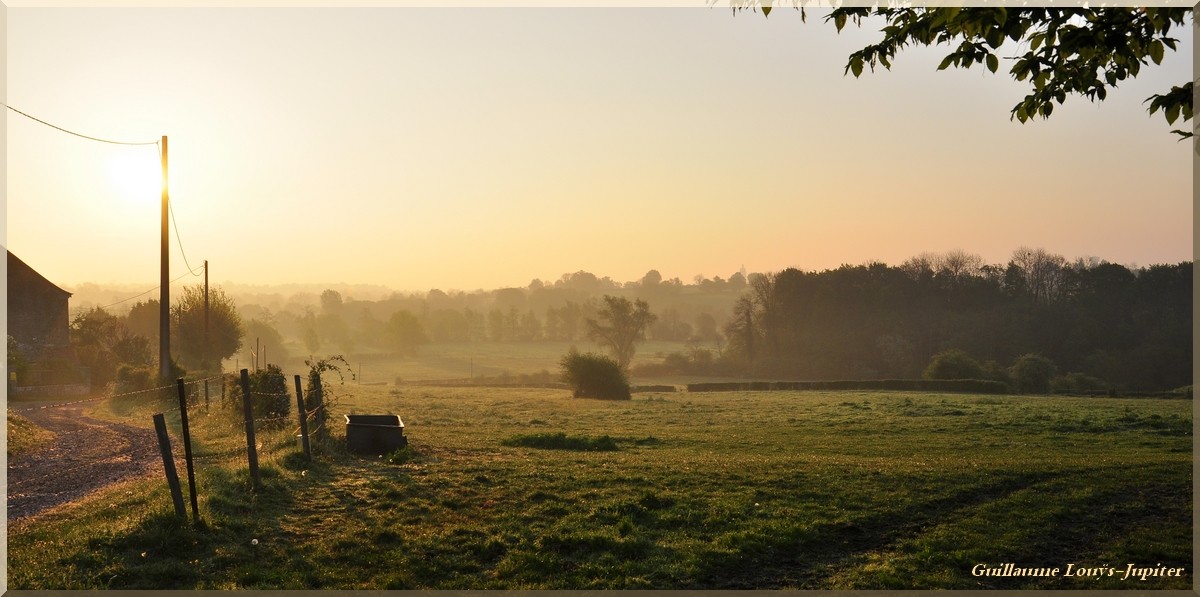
x=24, y=435
x=813, y=490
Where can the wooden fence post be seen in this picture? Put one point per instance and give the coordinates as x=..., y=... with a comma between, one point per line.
x=319, y=405
x=251, y=450
x=187, y=448
x=206, y=394
x=164, y=445
x=303, y=420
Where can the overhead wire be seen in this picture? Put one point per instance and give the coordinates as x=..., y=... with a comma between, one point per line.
x=179, y=239
x=89, y=137
x=182, y=276
x=170, y=208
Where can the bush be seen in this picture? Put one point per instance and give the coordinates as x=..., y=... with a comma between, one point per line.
x=134, y=379
x=1078, y=383
x=953, y=364
x=270, y=400
x=1031, y=374
x=594, y=376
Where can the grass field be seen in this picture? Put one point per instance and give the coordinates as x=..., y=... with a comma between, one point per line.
x=513, y=488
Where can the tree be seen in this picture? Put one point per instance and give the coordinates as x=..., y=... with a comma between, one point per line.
x=1077, y=51
x=740, y=329
x=1031, y=373
x=594, y=376
x=264, y=332
x=225, y=329
x=625, y=326
x=405, y=333
x=953, y=364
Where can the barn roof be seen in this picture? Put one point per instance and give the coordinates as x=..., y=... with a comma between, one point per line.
x=19, y=270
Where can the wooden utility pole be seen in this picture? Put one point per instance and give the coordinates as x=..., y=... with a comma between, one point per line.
x=205, y=357
x=164, y=290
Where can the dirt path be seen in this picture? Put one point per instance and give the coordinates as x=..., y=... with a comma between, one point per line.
x=85, y=456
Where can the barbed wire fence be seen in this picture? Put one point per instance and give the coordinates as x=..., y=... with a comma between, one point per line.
x=307, y=422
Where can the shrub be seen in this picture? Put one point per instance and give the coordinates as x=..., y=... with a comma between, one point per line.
x=594, y=376
x=270, y=400
x=1078, y=382
x=953, y=364
x=561, y=441
x=133, y=379
x=1031, y=373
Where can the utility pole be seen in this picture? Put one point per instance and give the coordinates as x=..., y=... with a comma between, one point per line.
x=205, y=356
x=164, y=292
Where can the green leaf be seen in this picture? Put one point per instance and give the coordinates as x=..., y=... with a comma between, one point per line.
x=946, y=62
x=766, y=10
x=1172, y=113
x=856, y=66
x=993, y=63
x=1101, y=93
x=1156, y=51
x=839, y=21
x=1035, y=42
x=994, y=38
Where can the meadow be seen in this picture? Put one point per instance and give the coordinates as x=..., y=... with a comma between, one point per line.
x=531, y=489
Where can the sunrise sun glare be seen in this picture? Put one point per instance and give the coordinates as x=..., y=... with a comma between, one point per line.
x=136, y=176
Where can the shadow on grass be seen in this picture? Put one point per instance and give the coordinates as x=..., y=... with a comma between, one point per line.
x=1064, y=524
x=789, y=556
x=238, y=541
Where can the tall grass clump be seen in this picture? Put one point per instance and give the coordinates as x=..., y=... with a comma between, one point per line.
x=562, y=441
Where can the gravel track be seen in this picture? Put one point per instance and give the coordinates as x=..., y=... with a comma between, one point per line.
x=85, y=456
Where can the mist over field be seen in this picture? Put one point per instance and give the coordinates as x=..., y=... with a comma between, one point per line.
x=1101, y=325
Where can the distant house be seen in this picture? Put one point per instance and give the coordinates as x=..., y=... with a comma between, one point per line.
x=39, y=323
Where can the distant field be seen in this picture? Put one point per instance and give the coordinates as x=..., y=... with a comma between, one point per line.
x=473, y=359
x=820, y=490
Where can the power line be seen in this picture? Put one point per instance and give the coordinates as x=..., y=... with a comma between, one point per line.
x=191, y=270
x=90, y=138
x=143, y=294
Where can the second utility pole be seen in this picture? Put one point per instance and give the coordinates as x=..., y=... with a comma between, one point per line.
x=164, y=292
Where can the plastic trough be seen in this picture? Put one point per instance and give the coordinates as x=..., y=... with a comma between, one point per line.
x=374, y=434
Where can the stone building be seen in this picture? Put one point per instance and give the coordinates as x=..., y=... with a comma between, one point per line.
x=39, y=324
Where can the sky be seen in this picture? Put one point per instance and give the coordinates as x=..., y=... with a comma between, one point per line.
x=484, y=147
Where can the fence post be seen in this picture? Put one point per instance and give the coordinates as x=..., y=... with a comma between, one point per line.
x=303, y=420
x=318, y=404
x=251, y=450
x=187, y=448
x=205, y=394
x=164, y=445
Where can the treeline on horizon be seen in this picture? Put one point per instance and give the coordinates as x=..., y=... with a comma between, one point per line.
x=1127, y=328
x=1102, y=322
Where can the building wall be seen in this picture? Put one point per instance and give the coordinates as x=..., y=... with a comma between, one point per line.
x=38, y=316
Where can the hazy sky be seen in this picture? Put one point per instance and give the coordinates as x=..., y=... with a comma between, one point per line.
x=478, y=148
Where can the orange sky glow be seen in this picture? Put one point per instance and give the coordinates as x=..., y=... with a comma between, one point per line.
x=481, y=148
